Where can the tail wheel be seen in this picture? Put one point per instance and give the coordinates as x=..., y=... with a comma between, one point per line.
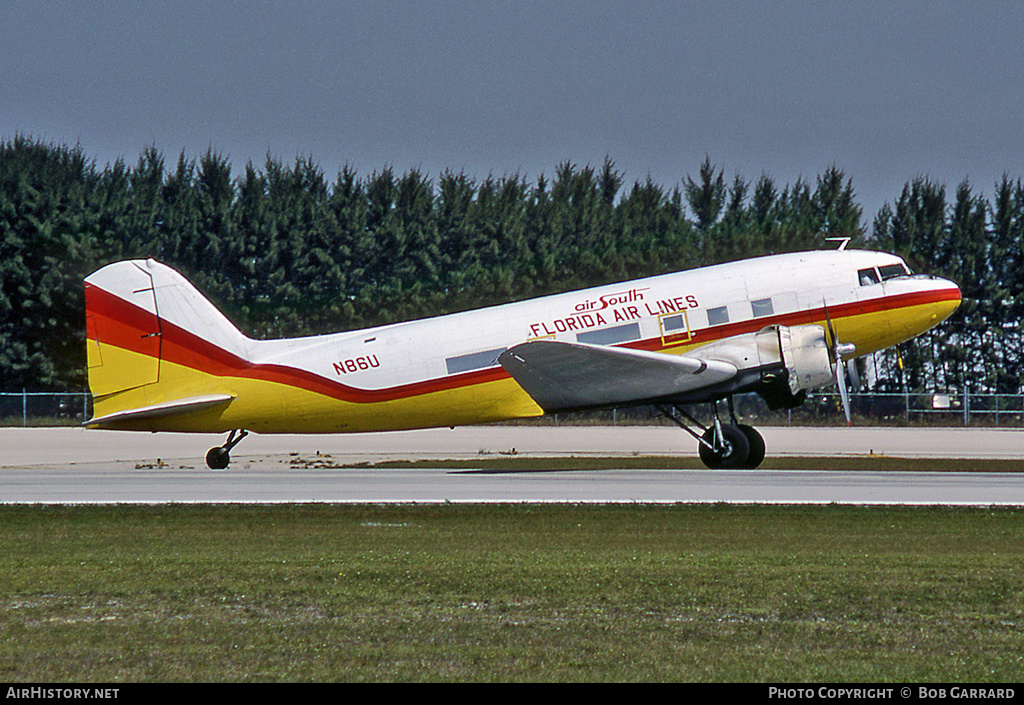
x=218, y=458
x=732, y=451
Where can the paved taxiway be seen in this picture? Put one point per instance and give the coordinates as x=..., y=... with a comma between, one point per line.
x=79, y=466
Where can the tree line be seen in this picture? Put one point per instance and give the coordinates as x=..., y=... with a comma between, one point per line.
x=977, y=243
x=285, y=251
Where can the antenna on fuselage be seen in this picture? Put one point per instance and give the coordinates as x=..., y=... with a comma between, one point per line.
x=843, y=242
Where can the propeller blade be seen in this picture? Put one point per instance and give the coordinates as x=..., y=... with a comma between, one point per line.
x=843, y=394
x=837, y=351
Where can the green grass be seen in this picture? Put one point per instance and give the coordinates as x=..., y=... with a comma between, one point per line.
x=511, y=593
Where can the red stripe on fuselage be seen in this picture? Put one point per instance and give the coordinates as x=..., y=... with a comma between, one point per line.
x=125, y=324
x=837, y=312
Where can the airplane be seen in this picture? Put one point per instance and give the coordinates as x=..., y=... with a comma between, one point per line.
x=162, y=357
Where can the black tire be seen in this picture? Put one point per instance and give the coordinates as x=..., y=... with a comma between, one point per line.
x=755, y=455
x=734, y=452
x=217, y=458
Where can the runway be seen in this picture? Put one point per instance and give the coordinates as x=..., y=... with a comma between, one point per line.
x=78, y=466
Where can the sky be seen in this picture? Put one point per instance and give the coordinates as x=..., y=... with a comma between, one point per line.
x=885, y=91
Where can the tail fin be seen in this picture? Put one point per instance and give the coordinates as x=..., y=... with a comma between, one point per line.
x=153, y=342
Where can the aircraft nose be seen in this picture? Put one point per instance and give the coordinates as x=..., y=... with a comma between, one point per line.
x=947, y=299
x=953, y=287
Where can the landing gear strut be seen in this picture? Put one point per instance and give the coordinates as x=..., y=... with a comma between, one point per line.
x=219, y=457
x=721, y=445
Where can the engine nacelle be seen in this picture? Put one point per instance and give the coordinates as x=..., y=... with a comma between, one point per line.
x=779, y=362
x=806, y=356
x=802, y=362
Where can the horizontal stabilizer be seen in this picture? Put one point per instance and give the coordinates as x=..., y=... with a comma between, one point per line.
x=164, y=409
x=561, y=376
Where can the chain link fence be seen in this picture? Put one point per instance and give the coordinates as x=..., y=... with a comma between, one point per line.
x=26, y=408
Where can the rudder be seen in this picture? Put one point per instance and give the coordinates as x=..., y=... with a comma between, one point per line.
x=135, y=310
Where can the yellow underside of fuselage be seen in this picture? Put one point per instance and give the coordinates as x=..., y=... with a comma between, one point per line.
x=278, y=407
x=878, y=330
x=274, y=407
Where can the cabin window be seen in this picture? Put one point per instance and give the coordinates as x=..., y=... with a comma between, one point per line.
x=718, y=316
x=610, y=336
x=893, y=270
x=473, y=361
x=670, y=324
x=868, y=276
x=674, y=328
x=762, y=307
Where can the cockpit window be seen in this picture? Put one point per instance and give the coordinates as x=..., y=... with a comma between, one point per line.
x=868, y=276
x=893, y=270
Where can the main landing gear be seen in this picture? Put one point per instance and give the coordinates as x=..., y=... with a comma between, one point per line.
x=219, y=457
x=721, y=445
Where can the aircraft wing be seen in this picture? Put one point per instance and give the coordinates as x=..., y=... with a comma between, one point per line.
x=561, y=376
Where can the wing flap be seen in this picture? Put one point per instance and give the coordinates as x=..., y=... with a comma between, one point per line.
x=560, y=376
x=164, y=409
